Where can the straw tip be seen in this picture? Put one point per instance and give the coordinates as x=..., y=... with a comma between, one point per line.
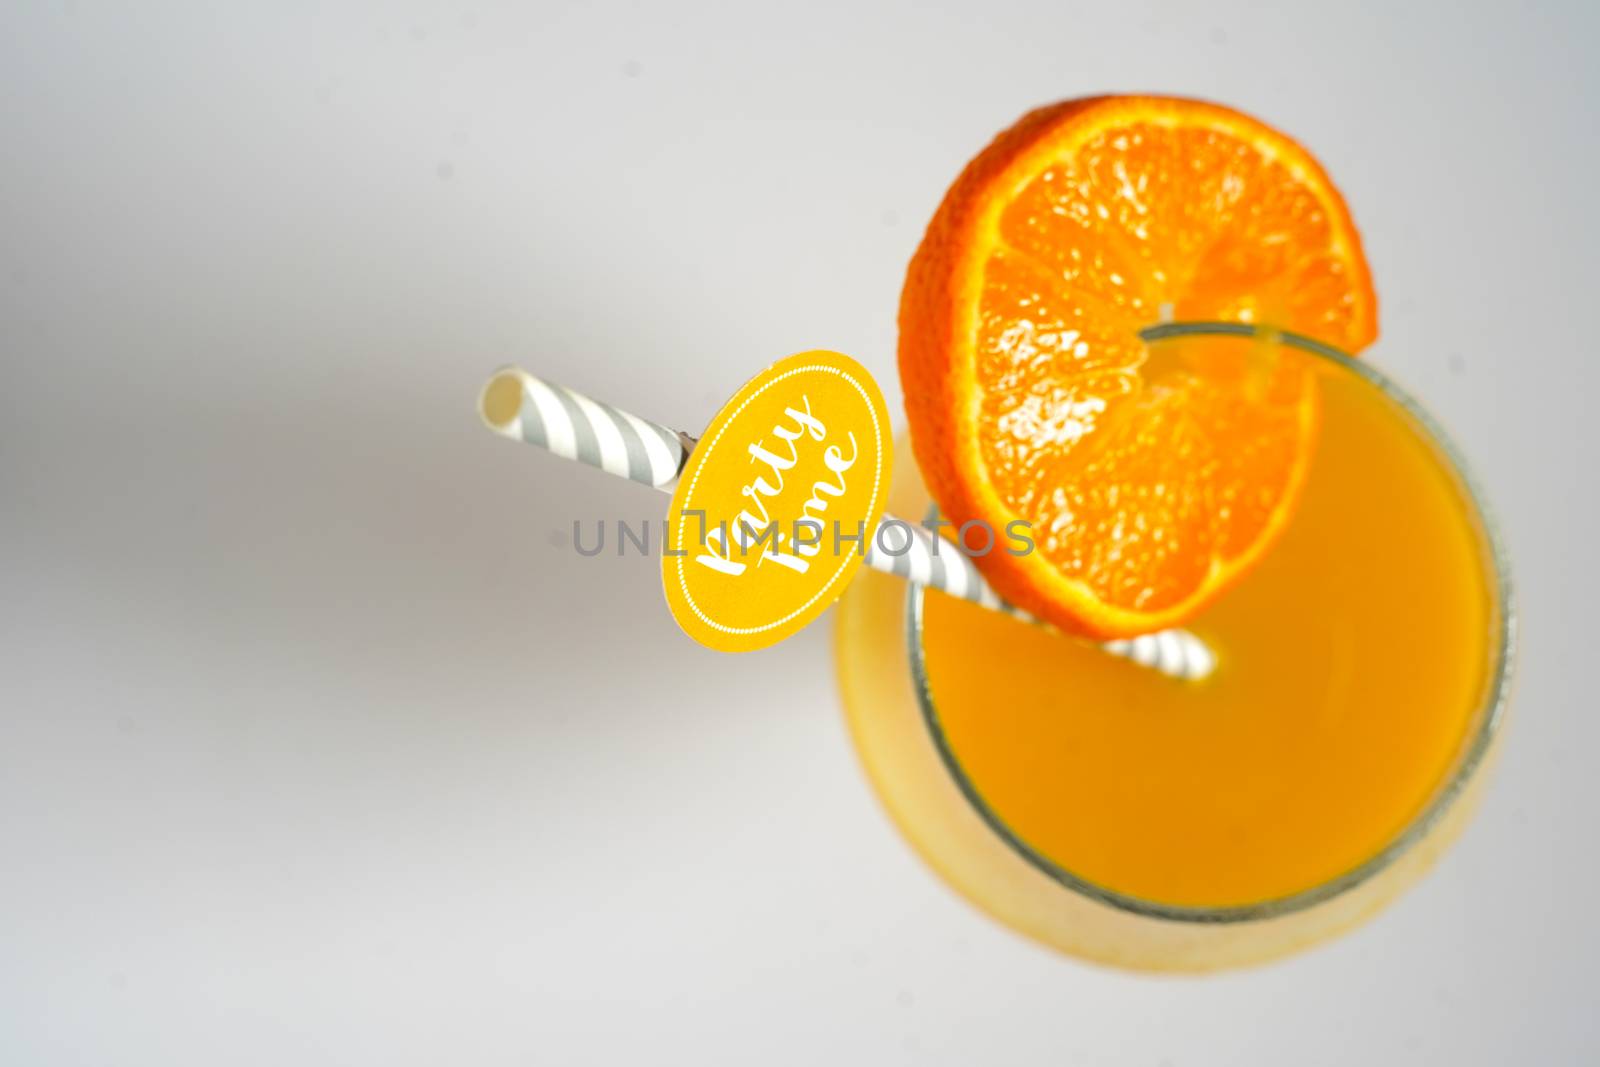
x=501, y=402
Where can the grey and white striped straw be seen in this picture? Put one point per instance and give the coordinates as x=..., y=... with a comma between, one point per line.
x=522, y=407
x=526, y=408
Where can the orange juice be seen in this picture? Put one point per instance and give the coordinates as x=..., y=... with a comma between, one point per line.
x=1358, y=665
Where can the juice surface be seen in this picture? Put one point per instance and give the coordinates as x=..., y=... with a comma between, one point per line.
x=1353, y=663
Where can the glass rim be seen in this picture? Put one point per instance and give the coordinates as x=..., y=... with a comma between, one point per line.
x=1491, y=711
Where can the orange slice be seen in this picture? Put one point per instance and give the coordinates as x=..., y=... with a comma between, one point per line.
x=1030, y=395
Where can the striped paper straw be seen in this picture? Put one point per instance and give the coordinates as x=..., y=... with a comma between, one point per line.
x=1175, y=652
x=517, y=405
x=526, y=408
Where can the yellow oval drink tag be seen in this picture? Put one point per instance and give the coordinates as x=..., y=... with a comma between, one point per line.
x=777, y=505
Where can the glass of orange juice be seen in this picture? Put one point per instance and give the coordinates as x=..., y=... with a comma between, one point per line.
x=1139, y=820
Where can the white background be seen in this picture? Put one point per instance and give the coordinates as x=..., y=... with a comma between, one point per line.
x=318, y=743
